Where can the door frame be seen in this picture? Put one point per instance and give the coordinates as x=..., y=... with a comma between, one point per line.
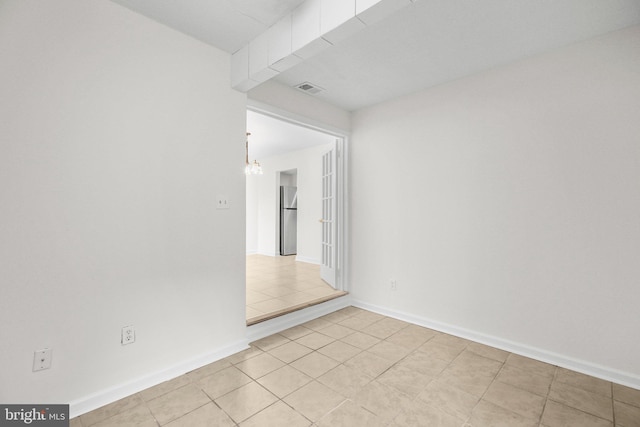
x=342, y=136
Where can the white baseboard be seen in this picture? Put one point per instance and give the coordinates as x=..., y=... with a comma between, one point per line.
x=255, y=332
x=259, y=252
x=625, y=378
x=300, y=258
x=308, y=260
x=273, y=326
x=252, y=252
x=104, y=397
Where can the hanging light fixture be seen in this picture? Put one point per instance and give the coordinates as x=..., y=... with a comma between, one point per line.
x=251, y=168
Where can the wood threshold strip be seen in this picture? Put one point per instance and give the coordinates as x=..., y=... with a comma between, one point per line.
x=282, y=312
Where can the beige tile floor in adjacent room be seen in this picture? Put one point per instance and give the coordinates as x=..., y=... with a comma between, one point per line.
x=280, y=284
x=356, y=368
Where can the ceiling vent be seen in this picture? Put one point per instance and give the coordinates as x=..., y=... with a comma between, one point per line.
x=309, y=88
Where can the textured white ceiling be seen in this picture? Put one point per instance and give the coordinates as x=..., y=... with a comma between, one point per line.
x=226, y=24
x=427, y=43
x=434, y=41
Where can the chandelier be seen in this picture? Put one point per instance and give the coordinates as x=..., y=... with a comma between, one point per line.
x=251, y=168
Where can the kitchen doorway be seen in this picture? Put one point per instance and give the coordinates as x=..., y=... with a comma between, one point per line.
x=278, y=285
x=292, y=156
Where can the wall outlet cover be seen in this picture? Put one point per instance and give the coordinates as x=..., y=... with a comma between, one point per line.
x=222, y=202
x=42, y=359
x=128, y=335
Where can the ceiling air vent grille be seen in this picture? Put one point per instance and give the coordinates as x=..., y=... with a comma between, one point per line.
x=309, y=88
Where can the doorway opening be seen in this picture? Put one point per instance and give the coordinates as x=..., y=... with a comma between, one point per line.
x=295, y=216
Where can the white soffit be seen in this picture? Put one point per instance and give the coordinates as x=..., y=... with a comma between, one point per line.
x=314, y=26
x=403, y=46
x=432, y=42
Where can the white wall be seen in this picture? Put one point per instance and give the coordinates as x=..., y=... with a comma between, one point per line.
x=263, y=193
x=506, y=204
x=116, y=135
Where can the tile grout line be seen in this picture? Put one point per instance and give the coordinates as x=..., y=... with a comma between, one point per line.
x=468, y=421
x=578, y=409
x=546, y=398
x=613, y=406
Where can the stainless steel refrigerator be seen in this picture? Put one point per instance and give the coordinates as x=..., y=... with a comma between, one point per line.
x=288, y=220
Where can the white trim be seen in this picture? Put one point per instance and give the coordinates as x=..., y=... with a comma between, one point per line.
x=110, y=395
x=308, y=260
x=342, y=278
x=342, y=273
x=271, y=254
x=287, y=116
x=253, y=252
x=278, y=324
x=588, y=368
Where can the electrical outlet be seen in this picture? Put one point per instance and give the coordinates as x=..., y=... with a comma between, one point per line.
x=128, y=335
x=222, y=202
x=42, y=359
x=394, y=285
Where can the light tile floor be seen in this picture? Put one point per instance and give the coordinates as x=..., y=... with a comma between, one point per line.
x=356, y=368
x=278, y=285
